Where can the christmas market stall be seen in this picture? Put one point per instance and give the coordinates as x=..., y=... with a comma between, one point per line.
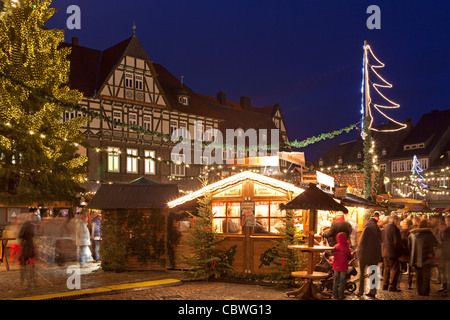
x=134, y=224
x=245, y=212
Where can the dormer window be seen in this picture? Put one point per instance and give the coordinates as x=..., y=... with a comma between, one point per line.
x=184, y=100
x=383, y=152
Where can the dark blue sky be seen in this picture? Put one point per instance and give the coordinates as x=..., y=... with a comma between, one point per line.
x=305, y=55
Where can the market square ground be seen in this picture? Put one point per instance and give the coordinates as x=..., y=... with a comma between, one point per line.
x=51, y=283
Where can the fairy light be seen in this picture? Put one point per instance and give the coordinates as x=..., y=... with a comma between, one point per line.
x=235, y=179
x=385, y=84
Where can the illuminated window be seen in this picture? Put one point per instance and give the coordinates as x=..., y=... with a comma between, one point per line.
x=117, y=117
x=177, y=168
x=149, y=164
x=132, y=160
x=113, y=159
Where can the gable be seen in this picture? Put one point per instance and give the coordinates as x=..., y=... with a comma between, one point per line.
x=133, y=80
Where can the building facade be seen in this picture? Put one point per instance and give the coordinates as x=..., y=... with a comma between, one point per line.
x=130, y=93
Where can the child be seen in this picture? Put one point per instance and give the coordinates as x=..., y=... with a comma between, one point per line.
x=341, y=255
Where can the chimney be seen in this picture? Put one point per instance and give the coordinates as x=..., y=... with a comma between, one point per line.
x=245, y=103
x=75, y=41
x=221, y=96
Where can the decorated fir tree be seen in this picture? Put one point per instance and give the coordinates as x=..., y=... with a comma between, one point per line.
x=205, y=259
x=38, y=160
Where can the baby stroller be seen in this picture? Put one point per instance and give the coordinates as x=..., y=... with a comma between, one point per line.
x=325, y=266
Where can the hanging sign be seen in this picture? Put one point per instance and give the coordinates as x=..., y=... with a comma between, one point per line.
x=248, y=214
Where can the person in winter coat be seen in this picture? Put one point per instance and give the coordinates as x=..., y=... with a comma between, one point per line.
x=421, y=243
x=96, y=235
x=82, y=239
x=341, y=255
x=27, y=255
x=369, y=252
x=339, y=225
x=391, y=248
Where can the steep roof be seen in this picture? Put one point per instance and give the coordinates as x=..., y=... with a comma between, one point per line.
x=133, y=196
x=172, y=88
x=430, y=130
x=348, y=151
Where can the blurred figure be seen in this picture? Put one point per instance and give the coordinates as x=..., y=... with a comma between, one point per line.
x=445, y=259
x=12, y=231
x=440, y=232
x=391, y=245
x=421, y=243
x=27, y=255
x=369, y=251
x=65, y=248
x=338, y=225
x=96, y=235
x=83, y=239
x=405, y=268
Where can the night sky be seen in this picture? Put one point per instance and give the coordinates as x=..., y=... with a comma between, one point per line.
x=304, y=55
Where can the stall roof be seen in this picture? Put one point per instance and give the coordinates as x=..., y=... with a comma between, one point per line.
x=350, y=200
x=314, y=199
x=133, y=196
x=232, y=180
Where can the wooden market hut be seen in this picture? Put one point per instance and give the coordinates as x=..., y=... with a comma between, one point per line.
x=246, y=213
x=143, y=206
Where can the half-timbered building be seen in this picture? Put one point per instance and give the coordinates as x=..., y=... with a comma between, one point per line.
x=128, y=92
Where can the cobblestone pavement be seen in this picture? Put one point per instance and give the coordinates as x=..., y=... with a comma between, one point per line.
x=53, y=279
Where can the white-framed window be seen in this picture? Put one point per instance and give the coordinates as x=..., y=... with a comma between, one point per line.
x=394, y=166
x=183, y=100
x=408, y=165
x=148, y=123
x=138, y=82
x=173, y=127
x=132, y=161
x=177, y=168
x=132, y=118
x=149, y=164
x=401, y=166
x=183, y=131
x=208, y=134
x=113, y=159
x=117, y=117
x=423, y=163
x=198, y=131
x=128, y=80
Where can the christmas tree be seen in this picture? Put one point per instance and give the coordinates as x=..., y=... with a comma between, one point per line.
x=282, y=260
x=205, y=260
x=37, y=149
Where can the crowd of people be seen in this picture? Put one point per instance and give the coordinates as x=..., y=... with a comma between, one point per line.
x=410, y=244
x=57, y=238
